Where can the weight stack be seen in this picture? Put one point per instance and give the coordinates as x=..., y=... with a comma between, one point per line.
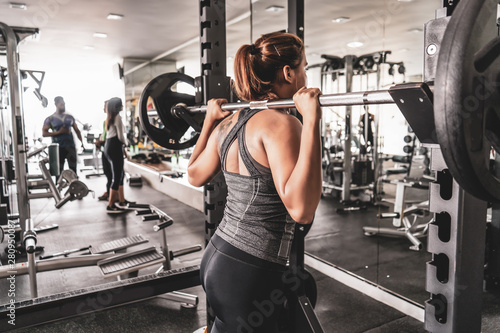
x=4, y=192
x=362, y=173
x=335, y=177
x=4, y=214
x=9, y=170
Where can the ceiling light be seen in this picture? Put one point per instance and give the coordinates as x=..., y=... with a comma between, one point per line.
x=415, y=31
x=275, y=9
x=115, y=17
x=354, y=45
x=100, y=35
x=403, y=50
x=341, y=19
x=18, y=5
x=88, y=47
x=405, y=0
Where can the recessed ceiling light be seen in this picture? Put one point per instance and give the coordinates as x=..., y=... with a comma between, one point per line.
x=275, y=8
x=341, y=19
x=88, y=47
x=100, y=35
x=415, y=31
x=403, y=50
x=405, y=0
x=354, y=45
x=112, y=16
x=18, y=5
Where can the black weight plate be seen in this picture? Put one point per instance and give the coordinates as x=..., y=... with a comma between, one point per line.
x=408, y=149
x=466, y=100
x=172, y=130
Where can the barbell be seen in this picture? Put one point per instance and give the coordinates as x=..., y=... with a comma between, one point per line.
x=177, y=112
x=460, y=112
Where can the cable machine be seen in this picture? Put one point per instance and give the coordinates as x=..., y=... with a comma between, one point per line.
x=348, y=172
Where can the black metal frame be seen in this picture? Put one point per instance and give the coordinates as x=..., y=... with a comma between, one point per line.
x=296, y=18
x=213, y=83
x=97, y=298
x=457, y=243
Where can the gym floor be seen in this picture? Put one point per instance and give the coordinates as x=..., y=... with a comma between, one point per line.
x=333, y=237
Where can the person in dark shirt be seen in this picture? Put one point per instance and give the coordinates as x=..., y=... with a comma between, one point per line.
x=58, y=126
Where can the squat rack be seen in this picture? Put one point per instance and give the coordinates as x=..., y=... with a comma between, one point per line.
x=10, y=38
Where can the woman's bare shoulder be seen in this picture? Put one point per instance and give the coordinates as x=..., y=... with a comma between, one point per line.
x=223, y=128
x=275, y=120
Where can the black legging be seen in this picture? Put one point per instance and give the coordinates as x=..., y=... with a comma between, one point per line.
x=113, y=149
x=246, y=293
x=108, y=172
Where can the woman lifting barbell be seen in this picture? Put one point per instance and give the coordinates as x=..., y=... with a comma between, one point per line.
x=272, y=167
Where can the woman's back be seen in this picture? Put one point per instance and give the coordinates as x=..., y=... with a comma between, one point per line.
x=255, y=219
x=262, y=130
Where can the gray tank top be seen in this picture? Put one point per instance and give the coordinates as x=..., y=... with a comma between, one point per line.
x=255, y=219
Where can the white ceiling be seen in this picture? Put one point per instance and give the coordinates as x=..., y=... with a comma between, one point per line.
x=151, y=27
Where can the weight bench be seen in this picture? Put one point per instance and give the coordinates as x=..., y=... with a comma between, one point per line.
x=130, y=262
x=405, y=216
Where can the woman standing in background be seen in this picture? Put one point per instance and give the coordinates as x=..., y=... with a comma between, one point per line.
x=114, y=149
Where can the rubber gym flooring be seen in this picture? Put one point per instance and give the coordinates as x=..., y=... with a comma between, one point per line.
x=333, y=237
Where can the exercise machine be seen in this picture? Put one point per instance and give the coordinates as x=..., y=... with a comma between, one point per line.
x=105, y=256
x=346, y=172
x=406, y=217
x=410, y=216
x=76, y=189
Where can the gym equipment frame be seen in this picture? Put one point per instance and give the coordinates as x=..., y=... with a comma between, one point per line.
x=455, y=111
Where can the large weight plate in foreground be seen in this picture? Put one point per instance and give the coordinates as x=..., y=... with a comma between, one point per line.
x=170, y=132
x=466, y=97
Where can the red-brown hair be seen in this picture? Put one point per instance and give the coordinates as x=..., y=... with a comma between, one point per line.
x=256, y=66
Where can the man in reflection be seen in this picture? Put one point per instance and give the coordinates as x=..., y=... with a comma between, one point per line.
x=58, y=126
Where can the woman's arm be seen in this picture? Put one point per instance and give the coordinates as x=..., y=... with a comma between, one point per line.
x=294, y=155
x=204, y=163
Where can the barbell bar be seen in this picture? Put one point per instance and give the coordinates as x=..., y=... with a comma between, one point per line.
x=342, y=99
